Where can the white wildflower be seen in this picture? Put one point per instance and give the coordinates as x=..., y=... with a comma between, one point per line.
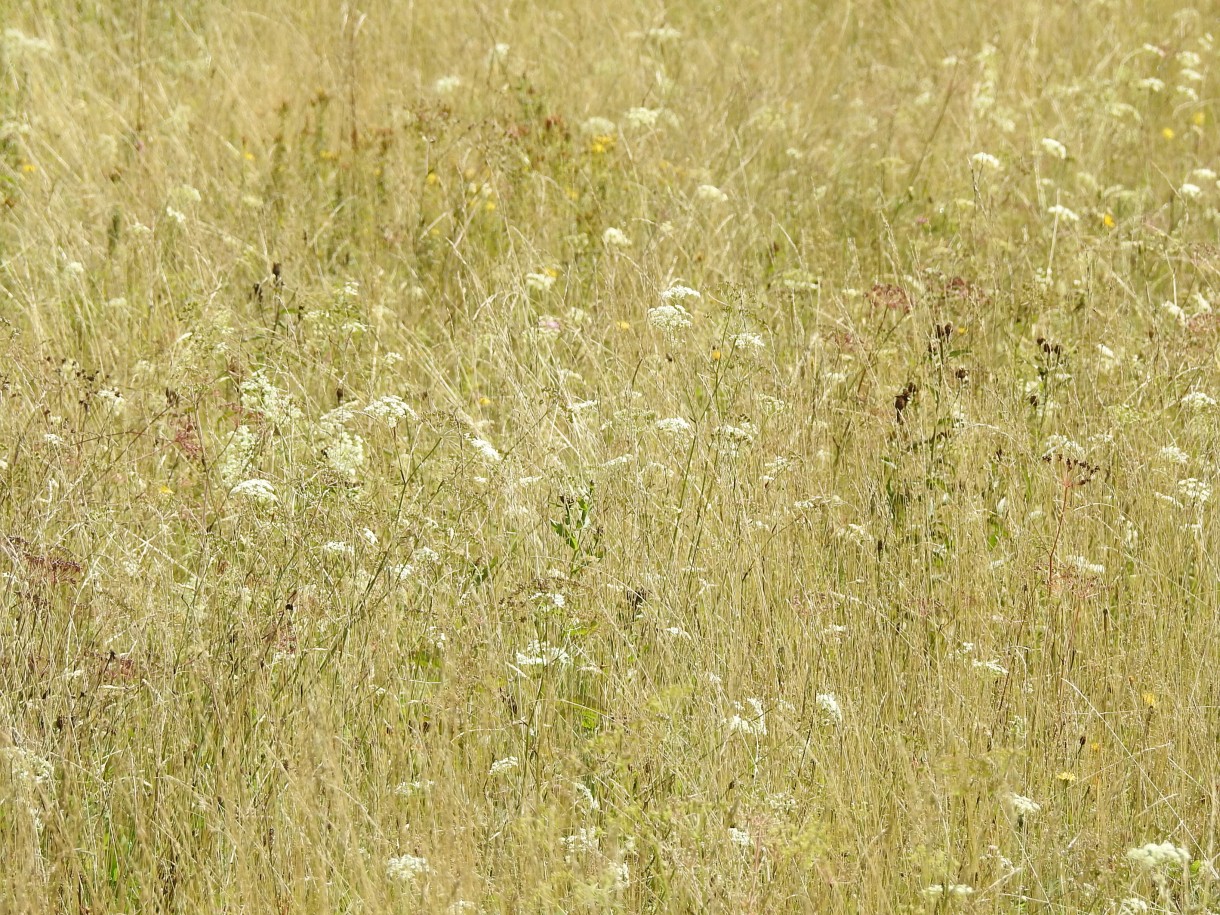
x=345, y=455
x=669, y=318
x=1197, y=400
x=1157, y=857
x=485, y=448
x=731, y=439
x=994, y=668
x=1172, y=454
x=1019, y=806
x=1190, y=191
x=1053, y=147
x=598, y=126
x=643, y=117
x=543, y=654
x=446, y=85
x=507, y=764
x=390, y=409
x=1194, y=491
x=256, y=490
x=615, y=238
x=709, y=193
x=674, y=426
x=407, y=867
x=951, y=890
x=1064, y=447
x=748, y=721
x=740, y=837
x=1062, y=213
x=829, y=707
x=985, y=160
x=583, y=840
x=539, y=282
x=1133, y=905
x=1150, y=84
x=259, y=395
x=747, y=341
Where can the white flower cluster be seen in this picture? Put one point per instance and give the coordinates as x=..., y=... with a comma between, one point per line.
x=828, y=707
x=345, y=455
x=261, y=396
x=669, y=318
x=390, y=409
x=753, y=721
x=1159, y=856
x=543, y=654
x=260, y=491
x=674, y=427
x=507, y=764
x=407, y=867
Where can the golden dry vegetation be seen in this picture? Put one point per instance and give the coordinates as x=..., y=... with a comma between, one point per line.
x=643, y=457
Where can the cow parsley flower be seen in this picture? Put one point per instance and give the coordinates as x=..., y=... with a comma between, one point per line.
x=1019, y=807
x=747, y=341
x=709, y=193
x=1190, y=191
x=539, y=282
x=751, y=721
x=543, y=654
x=985, y=160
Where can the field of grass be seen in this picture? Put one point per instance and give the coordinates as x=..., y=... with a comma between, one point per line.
x=588, y=457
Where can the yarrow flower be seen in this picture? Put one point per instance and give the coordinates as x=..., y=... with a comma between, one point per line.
x=986, y=160
x=259, y=395
x=731, y=439
x=1190, y=191
x=740, y=837
x=543, y=654
x=677, y=294
x=747, y=341
x=709, y=193
x=539, y=282
x=643, y=117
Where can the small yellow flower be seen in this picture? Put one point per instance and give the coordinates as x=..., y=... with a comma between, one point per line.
x=623, y=325
x=552, y=272
x=1149, y=698
x=432, y=178
x=572, y=193
x=490, y=206
x=1066, y=777
x=29, y=167
x=1108, y=221
x=1168, y=133
x=484, y=401
x=248, y=156
x=1199, y=119
x=716, y=355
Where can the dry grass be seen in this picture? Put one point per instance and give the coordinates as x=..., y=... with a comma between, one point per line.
x=790, y=609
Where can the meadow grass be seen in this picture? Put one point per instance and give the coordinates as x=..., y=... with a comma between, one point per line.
x=572, y=457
